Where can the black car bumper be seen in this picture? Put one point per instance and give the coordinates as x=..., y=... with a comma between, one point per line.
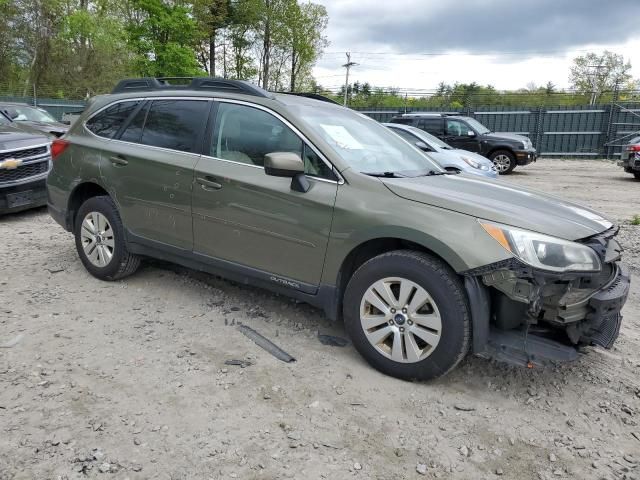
x=22, y=197
x=545, y=330
x=525, y=157
x=602, y=325
x=631, y=164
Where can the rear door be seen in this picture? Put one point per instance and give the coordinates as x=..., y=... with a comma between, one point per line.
x=149, y=164
x=432, y=125
x=255, y=221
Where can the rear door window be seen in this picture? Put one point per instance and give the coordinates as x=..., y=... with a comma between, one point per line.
x=432, y=125
x=108, y=121
x=133, y=131
x=175, y=124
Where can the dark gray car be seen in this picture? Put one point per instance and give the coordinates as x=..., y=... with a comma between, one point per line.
x=33, y=117
x=630, y=157
x=25, y=161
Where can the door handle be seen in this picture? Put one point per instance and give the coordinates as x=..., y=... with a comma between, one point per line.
x=208, y=184
x=118, y=161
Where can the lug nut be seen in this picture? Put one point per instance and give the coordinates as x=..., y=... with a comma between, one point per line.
x=393, y=310
x=404, y=310
x=402, y=329
x=390, y=322
x=409, y=322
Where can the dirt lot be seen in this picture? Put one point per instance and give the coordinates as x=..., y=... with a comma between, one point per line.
x=128, y=379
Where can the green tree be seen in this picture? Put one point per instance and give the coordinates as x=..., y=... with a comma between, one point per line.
x=212, y=17
x=594, y=74
x=164, y=37
x=304, y=25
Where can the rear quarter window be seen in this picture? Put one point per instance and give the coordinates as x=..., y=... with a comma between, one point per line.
x=107, y=122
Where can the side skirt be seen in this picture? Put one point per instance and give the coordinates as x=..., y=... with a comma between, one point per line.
x=324, y=297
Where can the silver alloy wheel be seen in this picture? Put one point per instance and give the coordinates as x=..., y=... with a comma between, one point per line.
x=400, y=320
x=502, y=162
x=97, y=239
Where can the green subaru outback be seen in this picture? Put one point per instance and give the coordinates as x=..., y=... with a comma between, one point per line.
x=298, y=195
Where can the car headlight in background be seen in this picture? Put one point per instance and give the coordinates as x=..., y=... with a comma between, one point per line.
x=542, y=251
x=472, y=163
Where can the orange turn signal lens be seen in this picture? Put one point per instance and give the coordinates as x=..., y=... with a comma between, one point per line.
x=498, y=235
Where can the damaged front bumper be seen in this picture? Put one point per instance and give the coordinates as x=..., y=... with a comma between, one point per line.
x=532, y=317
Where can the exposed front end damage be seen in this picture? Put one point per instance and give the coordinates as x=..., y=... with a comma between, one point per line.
x=528, y=316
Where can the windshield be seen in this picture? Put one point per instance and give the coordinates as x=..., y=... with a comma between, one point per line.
x=30, y=114
x=477, y=126
x=430, y=139
x=364, y=144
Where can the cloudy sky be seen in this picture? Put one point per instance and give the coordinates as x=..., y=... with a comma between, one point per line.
x=415, y=44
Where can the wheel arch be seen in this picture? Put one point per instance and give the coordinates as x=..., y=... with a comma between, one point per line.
x=498, y=148
x=372, y=247
x=80, y=194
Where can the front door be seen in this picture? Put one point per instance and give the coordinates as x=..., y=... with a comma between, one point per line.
x=457, y=135
x=148, y=167
x=243, y=216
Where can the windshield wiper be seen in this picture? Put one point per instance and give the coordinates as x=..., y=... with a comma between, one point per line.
x=385, y=174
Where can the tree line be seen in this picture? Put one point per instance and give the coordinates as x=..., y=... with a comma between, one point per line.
x=593, y=77
x=79, y=48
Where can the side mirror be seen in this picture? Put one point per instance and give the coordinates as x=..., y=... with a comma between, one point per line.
x=12, y=113
x=423, y=146
x=471, y=133
x=287, y=164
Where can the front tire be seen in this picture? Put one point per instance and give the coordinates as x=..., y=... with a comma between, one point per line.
x=407, y=314
x=504, y=160
x=637, y=175
x=100, y=240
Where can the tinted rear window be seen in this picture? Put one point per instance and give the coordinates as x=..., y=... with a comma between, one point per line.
x=433, y=124
x=108, y=121
x=175, y=124
x=133, y=132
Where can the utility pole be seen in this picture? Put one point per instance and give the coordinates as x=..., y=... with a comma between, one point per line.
x=595, y=77
x=347, y=65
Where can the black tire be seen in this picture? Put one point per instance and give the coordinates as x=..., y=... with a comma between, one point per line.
x=447, y=291
x=122, y=263
x=637, y=175
x=509, y=155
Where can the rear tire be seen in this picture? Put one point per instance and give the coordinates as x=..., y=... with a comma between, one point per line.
x=100, y=240
x=504, y=160
x=637, y=175
x=422, y=329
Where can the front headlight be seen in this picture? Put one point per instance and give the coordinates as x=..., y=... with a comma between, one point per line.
x=471, y=162
x=543, y=251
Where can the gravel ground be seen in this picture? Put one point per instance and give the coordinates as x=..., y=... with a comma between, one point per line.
x=128, y=379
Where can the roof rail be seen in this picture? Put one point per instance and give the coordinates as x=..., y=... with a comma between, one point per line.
x=147, y=84
x=315, y=96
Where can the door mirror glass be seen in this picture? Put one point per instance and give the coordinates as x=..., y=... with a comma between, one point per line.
x=283, y=164
x=471, y=133
x=13, y=113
